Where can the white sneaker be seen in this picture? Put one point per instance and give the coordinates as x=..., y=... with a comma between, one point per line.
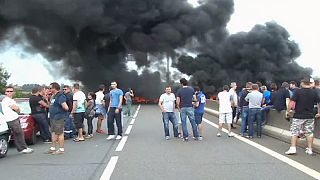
x=230, y=134
x=27, y=151
x=291, y=151
x=309, y=151
x=118, y=137
x=111, y=137
x=167, y=137
x=219, y=134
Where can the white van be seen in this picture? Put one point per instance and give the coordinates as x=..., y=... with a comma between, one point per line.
x=4, y=134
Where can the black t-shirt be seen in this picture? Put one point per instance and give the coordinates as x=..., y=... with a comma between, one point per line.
x=69, y=100
x=35, y=106
x=279, y=97
x=186, y=96
x=305, y=99
x=242, y=101
x=106, y=99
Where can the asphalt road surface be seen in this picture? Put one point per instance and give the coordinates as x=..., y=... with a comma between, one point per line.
x=144, y=153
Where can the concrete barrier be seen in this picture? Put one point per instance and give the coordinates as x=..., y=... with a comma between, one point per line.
x=277, y=126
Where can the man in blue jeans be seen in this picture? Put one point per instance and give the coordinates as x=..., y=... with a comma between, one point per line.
x=167, y=106
x=255, y=99
x=244, y=106
x=185, y=97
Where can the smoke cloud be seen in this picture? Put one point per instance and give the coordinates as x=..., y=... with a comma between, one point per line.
x=93, y=39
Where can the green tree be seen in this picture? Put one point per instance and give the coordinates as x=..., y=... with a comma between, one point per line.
x=4, y=76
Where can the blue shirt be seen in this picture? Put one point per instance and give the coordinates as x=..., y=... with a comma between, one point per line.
x=202, y=103
x=186, y=96
x=115, y=97
x=56, y=110
x=267, y=97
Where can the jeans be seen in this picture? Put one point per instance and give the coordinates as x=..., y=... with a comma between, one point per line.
x=245, y=115
x=128, y=107
x=264, y=113
x=170, y=116
x=112, y=115
x=188, y=112
x=89, y=123
x=42, y=121
x=234, y=114
x=69, y=127
x=255, y=115
x=18, y=133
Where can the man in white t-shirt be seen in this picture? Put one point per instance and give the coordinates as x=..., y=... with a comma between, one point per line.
x=10, y=112
x=78, y=109
x=100, y=106
x=225, y=111
x=167, y=106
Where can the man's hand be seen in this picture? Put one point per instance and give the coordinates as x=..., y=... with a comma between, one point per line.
x=117, y=111
x=318, y=115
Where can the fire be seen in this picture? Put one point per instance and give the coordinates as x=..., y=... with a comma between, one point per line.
x=143, y=100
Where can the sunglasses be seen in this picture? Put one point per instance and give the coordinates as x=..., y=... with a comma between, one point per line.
x=9, y=91
x=64, y=89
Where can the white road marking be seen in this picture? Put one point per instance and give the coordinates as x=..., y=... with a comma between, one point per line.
x=128, y=129
x=295, y=164
x=132, y=121
x=109, y=169
x=122, y=143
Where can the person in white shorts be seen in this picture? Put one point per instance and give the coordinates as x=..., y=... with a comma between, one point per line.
x=225, y=111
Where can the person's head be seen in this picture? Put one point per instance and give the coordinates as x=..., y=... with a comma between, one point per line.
x=259, y=83
x=35, y=90
x=54, y=87
x=9, y=91
x=197, y=89
x=305, y=83
x=316, y=83
x=249, y=85
x=293, y=85
x=114, y=85
x=226, y=88
x=91, y=95
x=273, y=86
x=255, y=87
x=312, y=84
x=168, y=90
x=183, y=81
x=285, y=85
x=42, y=90
x=264, y=88
x=101, y=87
x=76, y=87
x=66, y=89
x=234, y=85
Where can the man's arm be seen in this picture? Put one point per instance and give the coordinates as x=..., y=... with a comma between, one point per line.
x=65, y=106
x=178, y=103
x=160, y=105
x=44, y=104
x=318, y=114
x=120, y=102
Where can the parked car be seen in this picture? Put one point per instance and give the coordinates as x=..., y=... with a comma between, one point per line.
x=27, y=122
x=4, y=136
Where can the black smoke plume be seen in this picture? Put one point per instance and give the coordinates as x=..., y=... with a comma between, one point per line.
x=94, y=37
x=264, y=54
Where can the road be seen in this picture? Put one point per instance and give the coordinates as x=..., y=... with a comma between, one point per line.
x=145, y=154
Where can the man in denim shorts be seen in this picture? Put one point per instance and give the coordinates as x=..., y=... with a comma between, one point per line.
x=303, y=118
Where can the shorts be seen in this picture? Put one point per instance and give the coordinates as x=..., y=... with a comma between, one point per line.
x=302, y=126
x=225, y=118
x=78, y=119
x=57, y=126
x=100, y=110
x=198, y=117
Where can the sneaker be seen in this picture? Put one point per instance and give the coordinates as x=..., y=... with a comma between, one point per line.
x=219, y=134
x=167, y=137
x=58, y=152
x=111, y=137
x=88, y=136
x=50, y=151
x=100, y=131
x=200, y=138
x=230, y=134
x=185, y=139
x=26, y=151
x=309, y=152
x=291, y=151
x=118, y=137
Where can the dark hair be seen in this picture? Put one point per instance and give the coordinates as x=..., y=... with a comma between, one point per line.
x=101, y=87
x=293, y=82
x=249, y=85
x=197, y=88
x=93, y=95
x=285, y=85
x=35, y=90
x=10, y=87
x=259, y=84
x=316, y=82
x=226, y=88
x=66, y=86
x=183, y=81
x=273, y=86
x=306, y=81
x=55, y=86
x=76, y=86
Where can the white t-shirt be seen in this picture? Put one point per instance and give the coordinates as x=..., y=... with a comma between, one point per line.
x=168, y=101
x=225, y=102
x=99, y=97
x=234, y=95
x=80, y=97
x=9, y=113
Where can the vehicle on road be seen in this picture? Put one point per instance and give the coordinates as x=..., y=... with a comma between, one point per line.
x=27, y=122
x=4, y=136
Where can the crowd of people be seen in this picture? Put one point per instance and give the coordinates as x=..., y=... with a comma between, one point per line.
x=251, y=104
x=60, y=113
